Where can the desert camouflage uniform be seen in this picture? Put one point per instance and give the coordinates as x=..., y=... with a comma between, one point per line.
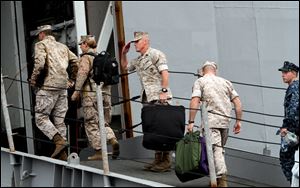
x=291, y=122
x=218, y=93
x=89, y=102
x=52, y=97
x=148, y=67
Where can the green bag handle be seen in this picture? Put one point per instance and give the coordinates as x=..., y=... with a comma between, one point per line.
x=192, y=136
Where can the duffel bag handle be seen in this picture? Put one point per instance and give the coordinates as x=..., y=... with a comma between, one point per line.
x=158, y=102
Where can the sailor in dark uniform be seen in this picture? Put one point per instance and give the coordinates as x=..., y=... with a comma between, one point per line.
x=291, y=117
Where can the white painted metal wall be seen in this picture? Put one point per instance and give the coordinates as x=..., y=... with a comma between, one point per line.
x=249, y=41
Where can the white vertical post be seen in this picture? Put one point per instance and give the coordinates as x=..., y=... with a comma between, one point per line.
x=6, y=117
x=210, y=156
x=103, y=135
x=80, y=20
x=106, y=30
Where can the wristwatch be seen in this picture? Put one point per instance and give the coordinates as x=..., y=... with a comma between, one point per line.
x=190, y=121
x=164, y=90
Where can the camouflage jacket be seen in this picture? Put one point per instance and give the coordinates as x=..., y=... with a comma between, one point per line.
x=218, y=93
x=291, y=108
x=55, y=57
x=148, y=67
x=84, y=79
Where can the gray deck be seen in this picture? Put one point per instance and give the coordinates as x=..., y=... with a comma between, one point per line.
x=27, y=170
x=134, y=168
x=133, y=157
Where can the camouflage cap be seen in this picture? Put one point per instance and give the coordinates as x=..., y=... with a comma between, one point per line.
x=43, y=28
x=85, y=38
x=138, y=35
x=211, y=63
x=288, y=66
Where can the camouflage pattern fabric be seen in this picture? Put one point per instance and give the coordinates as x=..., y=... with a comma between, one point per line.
x=287, y=161
x=54, y=103
x=291, y=108
x=52, y=100
x=148, y=67
x=85, y=83
x=291, y=122
x=218, y=139
x=91, y=123
x=56, y=57
x=218, y=93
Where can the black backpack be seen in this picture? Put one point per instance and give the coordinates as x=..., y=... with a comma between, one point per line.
x=105, y=68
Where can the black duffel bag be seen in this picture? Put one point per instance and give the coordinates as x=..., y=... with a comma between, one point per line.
x=163, y=126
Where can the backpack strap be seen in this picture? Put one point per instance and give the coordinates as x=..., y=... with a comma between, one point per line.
x=88, y=80
x=88, y=53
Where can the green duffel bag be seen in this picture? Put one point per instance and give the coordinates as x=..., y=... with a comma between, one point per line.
x=188, y=153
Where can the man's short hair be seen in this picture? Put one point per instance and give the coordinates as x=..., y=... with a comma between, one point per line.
x=210, y=63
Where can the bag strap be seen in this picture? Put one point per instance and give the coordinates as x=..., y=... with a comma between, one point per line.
x=45, y=68
x=88, y=53
x=47, y=53
x=90, y=84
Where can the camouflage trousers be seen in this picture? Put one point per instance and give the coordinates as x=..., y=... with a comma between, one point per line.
x=218, y=139
x=106, y=96
x=287, y=161
x=91, y=123
x=54, y=103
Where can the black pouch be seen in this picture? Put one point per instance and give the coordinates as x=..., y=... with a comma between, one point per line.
x=41, y=77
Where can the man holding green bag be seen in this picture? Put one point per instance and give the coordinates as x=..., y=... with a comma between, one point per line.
x=218, y=94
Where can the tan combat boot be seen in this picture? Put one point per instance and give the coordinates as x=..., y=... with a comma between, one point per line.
x=222, y=181
x=116, y=147
x=165, y=165
x=157, y=159
x=60, y=144
x=63, y=156
x=96, y=156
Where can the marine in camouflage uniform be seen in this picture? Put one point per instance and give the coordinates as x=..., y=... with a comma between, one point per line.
x=151, y=66
x=86, y=84
x=291, y=116
x=218, y=93
x=148, y=66
x=51, y=98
